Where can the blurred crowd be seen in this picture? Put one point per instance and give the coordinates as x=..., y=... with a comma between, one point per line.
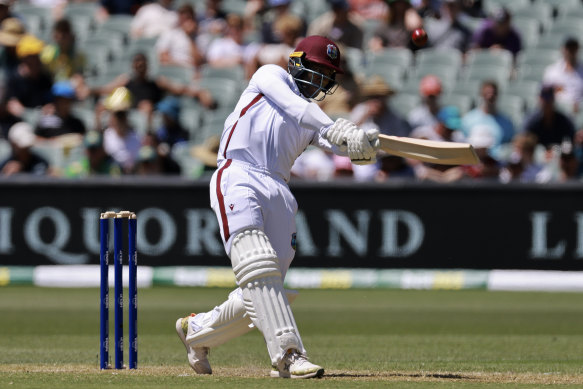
x=135, y=87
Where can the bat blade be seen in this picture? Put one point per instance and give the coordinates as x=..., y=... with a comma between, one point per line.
x=442, y=153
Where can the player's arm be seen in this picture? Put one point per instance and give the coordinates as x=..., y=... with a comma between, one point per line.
x=361, y=147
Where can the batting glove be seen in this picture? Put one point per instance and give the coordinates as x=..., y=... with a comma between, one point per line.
x=338, y=133
x=364, y=147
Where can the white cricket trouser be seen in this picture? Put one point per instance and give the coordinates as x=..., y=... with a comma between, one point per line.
x=245, y=196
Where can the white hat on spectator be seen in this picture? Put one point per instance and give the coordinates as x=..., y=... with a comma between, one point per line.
x=21, y=134
x=482, y=137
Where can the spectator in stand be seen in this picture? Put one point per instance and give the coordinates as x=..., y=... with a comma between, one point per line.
x=278, y=9
x=30, y=86
x=446, y=129
x=396, y=32
x=212, y=22
x=117, y=7
x=487, y=116
x=568, y=163
x=57, y=119
x=426, y=114
x=153, y=19
x=375, y=111
x=7, y=119
x=289, y=28
x=11, y=31
x=445, y=30
x=340, y=25
x=207, y=153
x=547, y=123
x=426, y=8
x=483, y=140
x=567, y=76
x=370, y=9
x=178, y=46
x=497, y=33
x=228, y=50
x=171, y=132
x=391, y=167
x=5, y=11
x=521, y=165
x=63, y=58
x=95, y=160
x=119, y=139
x=56, y=7
x=23, y=159
x=154, y=158
x=145, y=91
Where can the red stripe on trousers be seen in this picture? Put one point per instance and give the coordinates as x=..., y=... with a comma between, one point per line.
x=243, y=111
x=226, y=232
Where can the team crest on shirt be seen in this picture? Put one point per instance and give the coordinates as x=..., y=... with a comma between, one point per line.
x=332, y=51
x=294, y=242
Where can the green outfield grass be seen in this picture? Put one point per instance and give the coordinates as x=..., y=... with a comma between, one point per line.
x=49, y=338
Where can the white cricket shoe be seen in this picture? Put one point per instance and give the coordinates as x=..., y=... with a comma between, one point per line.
x=296, y=365
x=197, y=357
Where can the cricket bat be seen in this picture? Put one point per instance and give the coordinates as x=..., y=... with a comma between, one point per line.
x=442, y=153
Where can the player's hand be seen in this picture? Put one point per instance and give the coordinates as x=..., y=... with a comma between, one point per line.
x=338, y=133
x=363, y=147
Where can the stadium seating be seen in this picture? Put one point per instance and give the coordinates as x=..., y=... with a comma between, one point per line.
x=190, y=167
x=514, y=107
x=567, y=27
x=5, y=149
x=442, y=56
x=224, y=91
x=119, y=24
x=398, y=56
x=537, y=56
x=488, y=72
x=179, y=74
x=529, y=29
x=541, y=12
x=403, y=103
x=531, y=72
x=551, y=40
x=484, y=57
x=560, y=6
x=492, y=5
x=234, y=6
x=40, y=17
x=392, y=74
x=191, y=120
x=466, y=87
x=463, y=102
x=447, y=74
x=355, y=59
x=235, y=73
x=528, y=90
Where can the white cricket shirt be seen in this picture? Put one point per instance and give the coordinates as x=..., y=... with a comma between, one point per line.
x=272, y=124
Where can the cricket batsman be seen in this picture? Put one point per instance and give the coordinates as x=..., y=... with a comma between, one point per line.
x=273, y=123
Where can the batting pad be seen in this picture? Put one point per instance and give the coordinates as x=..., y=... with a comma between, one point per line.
x=259, y=277
x=225, y=322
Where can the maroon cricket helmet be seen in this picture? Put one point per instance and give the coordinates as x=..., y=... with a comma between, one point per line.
x=320, y=50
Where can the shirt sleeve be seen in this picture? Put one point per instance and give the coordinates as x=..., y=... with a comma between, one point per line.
x=273, y=82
